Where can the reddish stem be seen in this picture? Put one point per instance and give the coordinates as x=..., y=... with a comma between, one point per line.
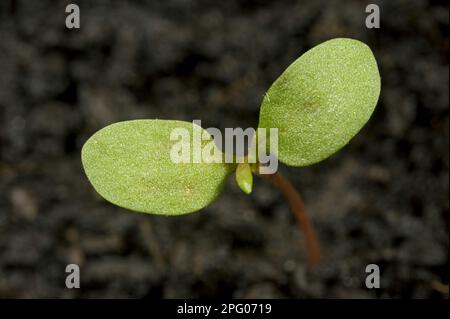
x=298, y=208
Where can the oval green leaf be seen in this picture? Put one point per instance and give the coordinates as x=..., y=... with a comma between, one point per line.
x=244, y=177
x=129, y=164
x=322, y=100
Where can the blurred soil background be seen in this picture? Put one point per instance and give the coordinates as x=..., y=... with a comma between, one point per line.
x=383, y=199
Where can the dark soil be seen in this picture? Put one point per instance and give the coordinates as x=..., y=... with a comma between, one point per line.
x=383, y=199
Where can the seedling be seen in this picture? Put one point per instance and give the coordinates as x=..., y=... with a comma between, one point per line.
x=318, y=104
